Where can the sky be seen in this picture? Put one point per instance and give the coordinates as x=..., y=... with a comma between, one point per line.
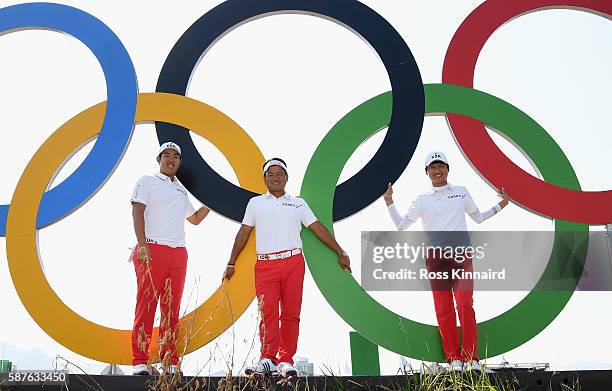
x=286, y=80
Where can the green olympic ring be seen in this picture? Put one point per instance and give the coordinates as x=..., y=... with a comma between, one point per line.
x=390, y=330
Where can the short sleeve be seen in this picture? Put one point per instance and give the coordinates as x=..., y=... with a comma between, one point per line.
x=470, y=205
x=249, y=214
x=142, y=191
x=189, y=209
x=307, y=217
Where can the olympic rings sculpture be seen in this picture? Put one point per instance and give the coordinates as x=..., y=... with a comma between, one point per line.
x=558, y=195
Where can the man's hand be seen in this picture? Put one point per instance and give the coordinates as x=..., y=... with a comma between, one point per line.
x=229, y=272
x=199, y=215
x=504, y=196
x=241, y=240
x=324, y=236
x=388, y=196
x=345, y=262
x=144, y=254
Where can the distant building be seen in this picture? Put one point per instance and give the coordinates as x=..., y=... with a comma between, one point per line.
x=507, y=366
x=304, y=367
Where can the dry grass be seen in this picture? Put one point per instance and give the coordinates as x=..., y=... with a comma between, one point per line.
x=408, y=381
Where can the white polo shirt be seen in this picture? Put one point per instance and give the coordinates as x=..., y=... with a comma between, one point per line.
x=277, y=221
x=167, y=206
x=442, y=209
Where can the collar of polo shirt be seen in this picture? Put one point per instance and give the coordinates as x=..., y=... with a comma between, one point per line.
x=286, y=195
x=164, y=178
x=448, y=186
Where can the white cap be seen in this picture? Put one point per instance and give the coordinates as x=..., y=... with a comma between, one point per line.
x=169, y=145
x=274, y=162
x=435, y=157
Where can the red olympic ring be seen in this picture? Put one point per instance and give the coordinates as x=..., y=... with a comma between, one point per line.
x=590, y=207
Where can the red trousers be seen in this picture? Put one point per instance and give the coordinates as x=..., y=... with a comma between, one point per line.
x=443, y=290
x=163, y=277
x=279, y=282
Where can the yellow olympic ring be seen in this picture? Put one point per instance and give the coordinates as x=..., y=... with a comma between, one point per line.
x=67, y=327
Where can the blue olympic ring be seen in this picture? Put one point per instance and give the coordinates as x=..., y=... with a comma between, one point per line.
x=122, y=90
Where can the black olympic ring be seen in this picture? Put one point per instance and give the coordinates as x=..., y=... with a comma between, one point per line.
x=386, y=165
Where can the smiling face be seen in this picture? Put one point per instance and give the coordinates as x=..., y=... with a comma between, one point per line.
x=438, y=173
x=169, y=162
x=276, y=179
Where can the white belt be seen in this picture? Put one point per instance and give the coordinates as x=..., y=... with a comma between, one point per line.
x=281, y=255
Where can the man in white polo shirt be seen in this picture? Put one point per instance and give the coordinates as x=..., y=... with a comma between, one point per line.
x=279, y=272
x=159, y=208
x=443, y=208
